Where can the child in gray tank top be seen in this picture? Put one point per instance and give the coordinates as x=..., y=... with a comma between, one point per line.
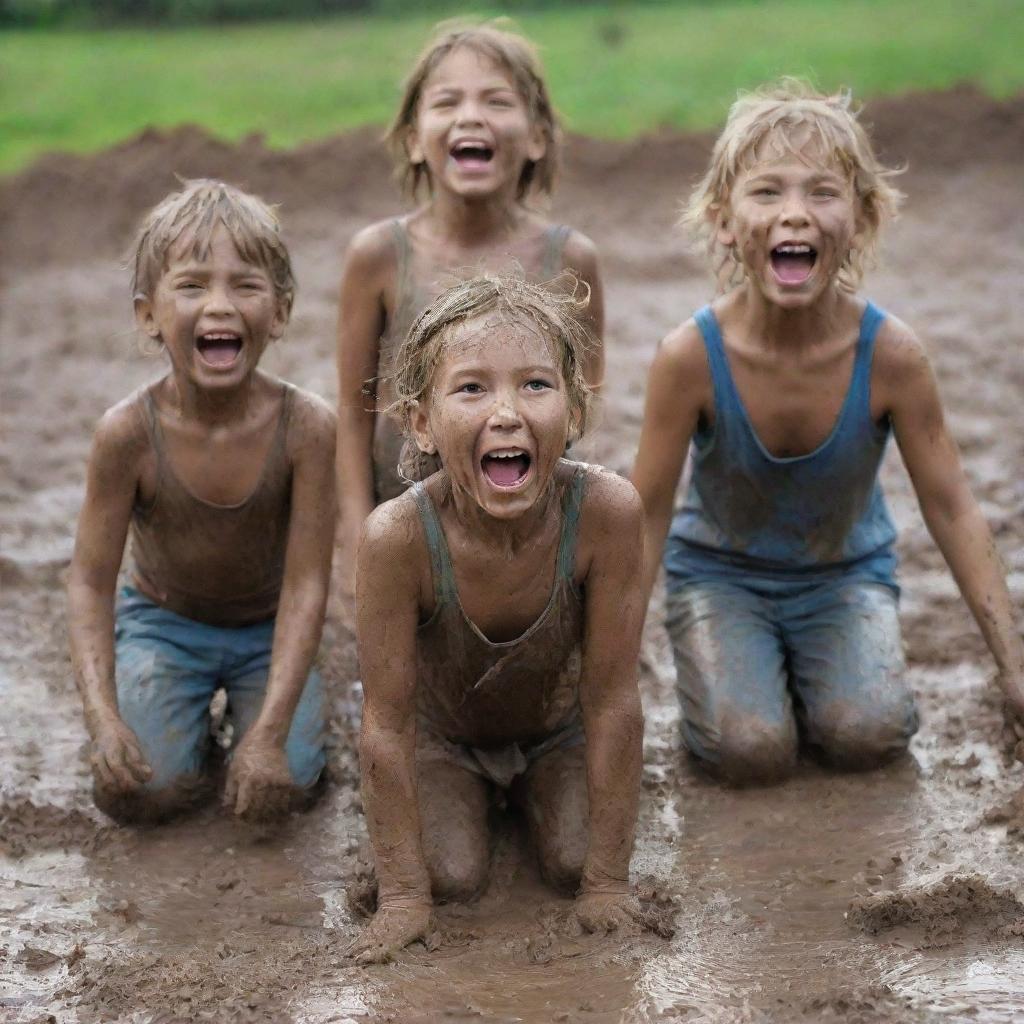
x=476, y=138
x=499, y=618
x=782, y=598
x=223, y=477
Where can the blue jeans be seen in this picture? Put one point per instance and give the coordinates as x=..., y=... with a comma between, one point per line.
x=168, y=668
x=762, y=664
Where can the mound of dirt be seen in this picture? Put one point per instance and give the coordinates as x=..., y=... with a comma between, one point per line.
x=945, y=911
x=26, y=827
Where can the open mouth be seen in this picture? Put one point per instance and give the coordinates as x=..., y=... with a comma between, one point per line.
x=219, y=349
x=472, y=155
x=506, y=468
x=793, y=263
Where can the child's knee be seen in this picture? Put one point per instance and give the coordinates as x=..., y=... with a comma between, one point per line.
x=561, y=864
x=859, y=738
x=149, y=804
x=457, y=876
x=753, y=751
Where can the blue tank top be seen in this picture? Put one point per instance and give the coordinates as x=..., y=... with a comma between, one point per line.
x=811, y=517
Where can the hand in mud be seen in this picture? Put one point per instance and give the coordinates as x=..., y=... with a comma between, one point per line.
x=1012, y=685
x=611, y=912
x=259, y=785
x=117, y=758
x=393, y=927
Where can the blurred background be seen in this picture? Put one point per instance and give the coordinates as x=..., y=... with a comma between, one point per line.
x=80, y=75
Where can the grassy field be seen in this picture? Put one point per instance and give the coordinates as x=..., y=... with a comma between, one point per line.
x=615, y=70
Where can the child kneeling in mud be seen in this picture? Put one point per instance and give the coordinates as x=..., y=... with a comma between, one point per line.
x=498, y=614
x=224, y=476
x=782, y=599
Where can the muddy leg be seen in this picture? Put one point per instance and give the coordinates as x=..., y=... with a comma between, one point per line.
x=553, y=793
x=848, y=671
x=732, y=683
x=455, y=838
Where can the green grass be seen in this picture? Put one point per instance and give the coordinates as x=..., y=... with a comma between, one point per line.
x=676, y=65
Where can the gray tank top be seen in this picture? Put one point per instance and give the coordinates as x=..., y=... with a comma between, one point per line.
x=218, y=564
x=416, y=288
x=488, y=694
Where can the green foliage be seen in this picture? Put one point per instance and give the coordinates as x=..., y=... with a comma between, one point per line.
x=615, y=70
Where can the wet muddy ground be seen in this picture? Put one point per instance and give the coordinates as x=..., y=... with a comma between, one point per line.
x=889, y=897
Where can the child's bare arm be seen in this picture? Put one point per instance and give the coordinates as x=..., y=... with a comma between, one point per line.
x=678, y=388
x=949, y=508
x=111, y=481
x=609, y=697
x=360, y=325
x=388, y=572
x=259, y=769
x=580, y=256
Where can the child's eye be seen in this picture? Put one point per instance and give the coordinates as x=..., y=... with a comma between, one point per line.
x=765, y=191
x=189, y=286
x=537, y=385
x=825, y=193
x=470, y=388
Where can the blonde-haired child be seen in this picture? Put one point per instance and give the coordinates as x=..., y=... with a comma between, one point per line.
x=223, y=475
x=782, y=599
x=476, y=138
x=498, y=619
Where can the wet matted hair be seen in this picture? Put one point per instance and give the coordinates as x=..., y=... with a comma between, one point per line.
x=551, y=310
x=515, y=55
x=203, y=205
x=785, y=116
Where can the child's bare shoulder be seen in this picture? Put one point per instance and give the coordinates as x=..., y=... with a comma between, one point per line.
x=121, y=430
x=393, y=536
x=611, y=504
x=311, y=414
x=579, y=252
x=682, y=351
x=372, y=249
x=900, y=360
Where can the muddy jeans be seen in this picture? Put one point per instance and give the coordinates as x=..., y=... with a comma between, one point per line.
x=761, y=665
x=168, y=668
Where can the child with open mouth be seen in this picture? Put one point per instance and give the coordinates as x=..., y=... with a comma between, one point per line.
x=780, y=565
x=476, y=140
x=223, y=476
x=498, y=618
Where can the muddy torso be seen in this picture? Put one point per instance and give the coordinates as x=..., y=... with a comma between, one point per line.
x=421, y=275
x=218, y=564
x=486, y=693
x=808, y=516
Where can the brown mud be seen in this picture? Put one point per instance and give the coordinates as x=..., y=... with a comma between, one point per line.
x=821, y=900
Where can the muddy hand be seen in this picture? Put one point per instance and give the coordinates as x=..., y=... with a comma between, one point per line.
x=117, y=758
x=393, y=927
x=259, y=783
x=610, y=912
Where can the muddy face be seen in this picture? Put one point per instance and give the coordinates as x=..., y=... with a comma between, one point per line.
x=473, y=128
x=792, y=220
x=498, y=414
x=214, y=314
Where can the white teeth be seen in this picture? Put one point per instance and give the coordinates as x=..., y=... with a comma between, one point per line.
x=798, y=250
x=511, y=453
x=220, y=337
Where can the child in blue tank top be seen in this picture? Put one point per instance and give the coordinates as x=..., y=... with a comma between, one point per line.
x=782, y=601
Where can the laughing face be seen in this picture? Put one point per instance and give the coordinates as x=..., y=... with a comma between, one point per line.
x=497, y=413
x=473, y=129
x=792, y=221
x=214, y=315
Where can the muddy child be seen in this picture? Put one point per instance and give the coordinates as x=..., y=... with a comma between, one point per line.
x=223, y=475
x=498, y=618
x=476, y=138
x=782, y=598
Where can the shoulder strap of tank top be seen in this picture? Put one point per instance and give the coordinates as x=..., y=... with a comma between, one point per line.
x=718, y=363
x=871, y=320
x=554, y=245
x=440, y=560
x=572, y=505
x=403, y=257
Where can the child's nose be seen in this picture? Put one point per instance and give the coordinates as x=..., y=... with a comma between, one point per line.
x=505, y=413
x=218, y=300
x=794, y=209
x=469, y=112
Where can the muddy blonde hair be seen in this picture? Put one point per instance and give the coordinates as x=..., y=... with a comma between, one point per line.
x=784, y=113
x=512, y=53
x=552, y=310
x=201, y=206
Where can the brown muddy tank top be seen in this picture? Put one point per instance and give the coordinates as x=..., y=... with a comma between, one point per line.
x=413, y=293
x=218, y=564
x=472, y=690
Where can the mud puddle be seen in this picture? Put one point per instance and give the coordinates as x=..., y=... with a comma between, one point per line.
x=206, y=920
